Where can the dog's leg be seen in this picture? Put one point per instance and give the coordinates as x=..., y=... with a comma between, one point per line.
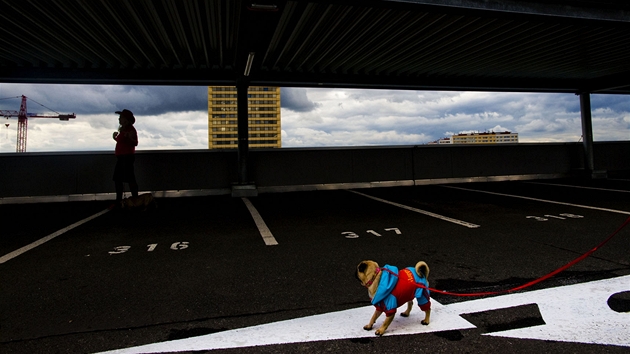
x=427, y=317
x=375, y=316
x=409, y=306
x=386, y=323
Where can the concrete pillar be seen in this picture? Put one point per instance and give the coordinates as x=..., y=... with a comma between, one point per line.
x=244, y=188
x=243, y=130
x=587, y=137
x=587, y=131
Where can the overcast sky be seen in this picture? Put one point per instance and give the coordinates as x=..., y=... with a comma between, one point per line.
x=175, y=117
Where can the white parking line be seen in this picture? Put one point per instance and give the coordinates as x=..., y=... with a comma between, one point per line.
x=260, y=223
x=49, y=237
x=580, y=187
x=424, y=212
x=619, y=179
x=542, y=200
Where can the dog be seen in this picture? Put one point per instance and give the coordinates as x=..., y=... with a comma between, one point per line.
x=141, y=202
x=389, y=289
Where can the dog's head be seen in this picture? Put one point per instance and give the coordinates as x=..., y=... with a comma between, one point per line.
x=141, y=200
x=126, y=203
x=366, y=272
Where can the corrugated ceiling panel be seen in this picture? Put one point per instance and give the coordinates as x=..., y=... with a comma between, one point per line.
x=374, y=43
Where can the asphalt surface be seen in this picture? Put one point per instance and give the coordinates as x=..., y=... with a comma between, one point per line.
x=199, y=265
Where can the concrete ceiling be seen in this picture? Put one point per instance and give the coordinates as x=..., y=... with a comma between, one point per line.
x=542, y=46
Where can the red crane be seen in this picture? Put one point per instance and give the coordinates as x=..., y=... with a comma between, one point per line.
x=23, y=122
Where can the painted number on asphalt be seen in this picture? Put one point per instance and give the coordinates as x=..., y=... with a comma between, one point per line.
x=176, y=246
x=351, y=234
x=562, y=216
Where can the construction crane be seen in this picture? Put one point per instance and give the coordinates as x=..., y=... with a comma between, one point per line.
x=23, y=116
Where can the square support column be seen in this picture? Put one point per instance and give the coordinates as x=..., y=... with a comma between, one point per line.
x=587, y=137
x=244, y=188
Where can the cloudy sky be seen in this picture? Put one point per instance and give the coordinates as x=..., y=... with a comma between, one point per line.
x=177, y=117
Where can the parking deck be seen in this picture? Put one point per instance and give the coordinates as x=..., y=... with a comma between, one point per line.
x=197, y=267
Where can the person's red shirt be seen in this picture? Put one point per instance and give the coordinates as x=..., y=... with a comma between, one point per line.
x=126, y=141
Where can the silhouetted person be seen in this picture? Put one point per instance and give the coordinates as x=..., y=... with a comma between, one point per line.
x=126, y=141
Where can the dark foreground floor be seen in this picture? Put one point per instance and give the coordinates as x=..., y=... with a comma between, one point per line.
x=196, y=266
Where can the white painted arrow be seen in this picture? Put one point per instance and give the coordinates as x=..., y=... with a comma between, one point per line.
x=575, y=313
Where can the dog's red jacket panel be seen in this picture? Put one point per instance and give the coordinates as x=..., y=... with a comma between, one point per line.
x=404, y=291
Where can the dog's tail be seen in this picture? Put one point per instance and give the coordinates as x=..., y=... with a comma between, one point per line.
x=422, y=268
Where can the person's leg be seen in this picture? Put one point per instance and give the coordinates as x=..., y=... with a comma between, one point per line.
x=134, y=188
x=119, y=190
x=118, y=178
x=131, y=176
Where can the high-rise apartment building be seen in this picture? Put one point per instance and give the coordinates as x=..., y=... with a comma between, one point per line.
x=264, y=117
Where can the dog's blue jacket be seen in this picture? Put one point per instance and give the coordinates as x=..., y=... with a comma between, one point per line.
x=384, y=299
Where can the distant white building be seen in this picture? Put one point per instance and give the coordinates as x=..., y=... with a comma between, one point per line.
x=485, y=138
x=440, y=141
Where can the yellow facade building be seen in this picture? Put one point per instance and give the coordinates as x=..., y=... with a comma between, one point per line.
x=264, y=117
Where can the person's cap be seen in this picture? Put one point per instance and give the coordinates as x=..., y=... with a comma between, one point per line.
x=127, y=113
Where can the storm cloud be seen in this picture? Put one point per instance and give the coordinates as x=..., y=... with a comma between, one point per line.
x=295, y=99
x=102, y=99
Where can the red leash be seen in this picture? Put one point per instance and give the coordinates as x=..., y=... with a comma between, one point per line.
x=561, y=269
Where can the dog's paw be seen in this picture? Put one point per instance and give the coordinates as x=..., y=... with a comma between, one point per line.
x=379, y=332
x=425, y=323
x=367, y=327
x=404, y=314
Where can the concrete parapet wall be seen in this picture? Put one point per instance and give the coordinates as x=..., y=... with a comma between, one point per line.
x=90, y=173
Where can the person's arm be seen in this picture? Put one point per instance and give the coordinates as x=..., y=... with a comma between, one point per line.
x=132, y=136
